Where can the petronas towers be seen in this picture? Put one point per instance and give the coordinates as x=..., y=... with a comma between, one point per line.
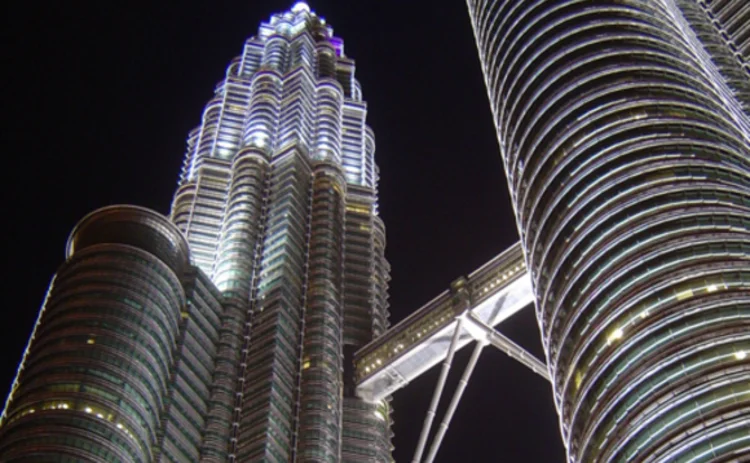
x=227, y=334
x=226, y=331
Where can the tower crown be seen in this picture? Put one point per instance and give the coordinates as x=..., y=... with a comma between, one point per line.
x=300, y=7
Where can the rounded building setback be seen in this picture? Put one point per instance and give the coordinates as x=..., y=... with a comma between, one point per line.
x=95, y=379
x=134, y=226
x=630, y=176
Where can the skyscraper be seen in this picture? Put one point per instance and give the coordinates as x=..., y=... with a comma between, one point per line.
x=226, y=333
x=624, y=132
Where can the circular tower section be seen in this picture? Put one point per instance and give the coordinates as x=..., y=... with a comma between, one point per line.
x=93, y=383
x=629, y=169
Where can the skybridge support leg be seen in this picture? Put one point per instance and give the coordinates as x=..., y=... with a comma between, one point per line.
x=512, y=349
x=436, y=395
x=438, y=439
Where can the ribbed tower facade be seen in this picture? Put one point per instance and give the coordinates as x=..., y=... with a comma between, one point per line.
x=624, y=133
x=731, y=18
x=121, y=359
x=255, y=296
x=278, y=201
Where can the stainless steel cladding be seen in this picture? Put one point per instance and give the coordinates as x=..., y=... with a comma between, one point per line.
x=97, y=376
x=626, y=153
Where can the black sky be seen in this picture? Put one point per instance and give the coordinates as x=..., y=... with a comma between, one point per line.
x=98, y=98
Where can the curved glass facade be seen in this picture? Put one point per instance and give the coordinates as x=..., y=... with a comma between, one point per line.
x=626, y=153
x=100, y=375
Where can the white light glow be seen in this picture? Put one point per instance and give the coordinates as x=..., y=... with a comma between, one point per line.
x=616, y=334
x=711, y=288
x=740, y=355
x=300, y=6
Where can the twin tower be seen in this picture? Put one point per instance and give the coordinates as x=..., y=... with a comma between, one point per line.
x=227, y=332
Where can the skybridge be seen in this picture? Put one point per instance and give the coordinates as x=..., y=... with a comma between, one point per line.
x=469, y=311
x=479, y=303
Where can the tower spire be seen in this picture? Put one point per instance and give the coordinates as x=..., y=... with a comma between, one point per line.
x=299, y=7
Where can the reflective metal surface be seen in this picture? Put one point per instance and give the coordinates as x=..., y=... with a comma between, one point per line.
x=625, y=143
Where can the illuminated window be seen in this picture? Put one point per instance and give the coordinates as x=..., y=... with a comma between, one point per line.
x=616, y=335
x=578, y=379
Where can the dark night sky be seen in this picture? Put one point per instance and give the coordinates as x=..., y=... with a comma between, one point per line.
x=98, y=100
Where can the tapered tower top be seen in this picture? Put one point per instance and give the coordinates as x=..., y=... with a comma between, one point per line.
x=300, y=6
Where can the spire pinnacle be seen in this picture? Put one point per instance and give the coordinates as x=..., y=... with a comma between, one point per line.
x=300, y=6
